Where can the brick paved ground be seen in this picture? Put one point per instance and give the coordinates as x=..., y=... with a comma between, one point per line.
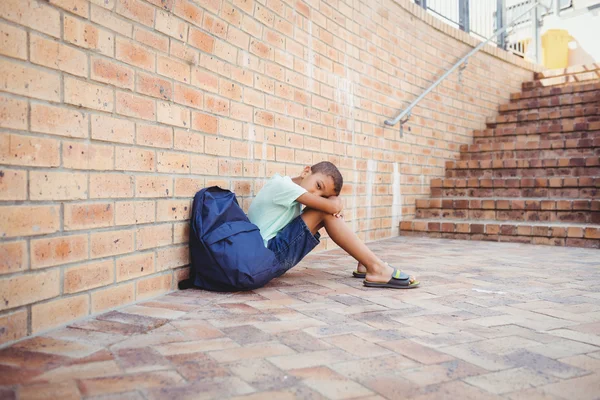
x=491, y=320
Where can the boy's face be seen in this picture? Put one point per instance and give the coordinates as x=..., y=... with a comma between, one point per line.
x=317, y=183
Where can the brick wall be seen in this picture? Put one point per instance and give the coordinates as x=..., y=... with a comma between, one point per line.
x=113, y=113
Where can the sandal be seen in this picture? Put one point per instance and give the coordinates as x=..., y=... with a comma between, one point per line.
x=399, y=280
x=357, y=274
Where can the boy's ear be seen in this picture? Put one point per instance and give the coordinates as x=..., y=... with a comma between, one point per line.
x=306, y=171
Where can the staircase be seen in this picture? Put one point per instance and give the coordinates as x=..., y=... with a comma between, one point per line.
x=533, y=176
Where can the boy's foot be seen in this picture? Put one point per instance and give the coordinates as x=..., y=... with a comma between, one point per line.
x=386, y=276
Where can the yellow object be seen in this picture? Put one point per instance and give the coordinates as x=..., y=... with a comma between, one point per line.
x=555, y=48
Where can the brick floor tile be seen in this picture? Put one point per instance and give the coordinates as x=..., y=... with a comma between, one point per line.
x=197, y=329
x=581, y=388
x=80, y=371
x=275, y=327
x=143, y=380
x=59, y=347
x=247, y=334
x=239, y=320
x=261, y=350
x=66, y=390
x=263, y=375
x=443, y=372
x=510, y=380
x=14, y=375
x=578, y=336
x=531, y=394
x=8, y=394
x=169, y=306
x=216, y=388
x=391, y=386
x=338, y=329
x=18, y=357
x=366, y=368
x=302, y=341
x=194, y=346
x=141, y=359
x=87, y=337
x=540, y=363
x=310, y=359
x=153, y=312
x=133, y=319
x=202, y=369
x=356, y=346
x=454, y=390
x=562, y=348
x=337, y=389
x=417, y=352
x=471, y=354
x=133, y=395
x=584, y=362
x=110, y=327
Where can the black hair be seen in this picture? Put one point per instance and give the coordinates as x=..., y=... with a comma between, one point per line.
x=329, y=169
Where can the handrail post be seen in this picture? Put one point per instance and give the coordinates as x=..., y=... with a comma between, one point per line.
x=501, y=22
x=536, y=36
x=463, y=15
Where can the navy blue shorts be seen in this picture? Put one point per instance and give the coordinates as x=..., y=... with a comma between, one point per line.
x=292, y=243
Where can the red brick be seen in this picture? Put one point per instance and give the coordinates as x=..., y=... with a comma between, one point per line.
x=153, y=286
x=134, y=159
x=112, y=21
x=189, y=11
x=172, y=257
x=13, y=113
x=136, y=106
x=205, y=80
x=201, y=40
x=137, y=11
x=204, y=123
x=154, y=135
x=14, y=257
x=181, y=230
x=154, y=86
x=216, y=105
x=34, y=15
x=173, y=69
x=30, y=82
x=13, y=326
x=215, y=26
x=104, y=186
x=50, y=185
x=13, y=184
x=184, y=52
x=88, y=276
x=217, y=146
x=170, y=162
x=59, y=250
x=78, y=155
x=29, y=151
x=204, y=165
x=230, y=128
x=172, y=114
x=153, y=236
x=170, y=25
x=88, y=36
x=131, y=267
x=152, y=39
x=28, y=220
x=88, y=215
x=58, y=312
x=135, y=212
x=58, y=121
x=12, y=40
x=134, y=54
x=187, y=187
x=112, y=129
x=29, y=288
x=188, y=96
x=173, y=210
x=153, y=186
x=112, y=297
x=106, y=71
x=238, y=38
x=52, y=54
x=111, y=243
x=88, y=95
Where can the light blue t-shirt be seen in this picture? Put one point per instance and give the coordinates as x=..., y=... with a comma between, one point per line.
x=275, y=206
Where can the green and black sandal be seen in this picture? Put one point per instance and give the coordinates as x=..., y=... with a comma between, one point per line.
x=399, y=280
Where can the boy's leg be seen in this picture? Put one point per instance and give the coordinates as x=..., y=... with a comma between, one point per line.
x=343, y=236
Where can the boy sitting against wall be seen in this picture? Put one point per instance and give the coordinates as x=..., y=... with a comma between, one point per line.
x=291, y=233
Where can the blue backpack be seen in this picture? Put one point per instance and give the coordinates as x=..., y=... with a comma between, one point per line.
x=227, y=250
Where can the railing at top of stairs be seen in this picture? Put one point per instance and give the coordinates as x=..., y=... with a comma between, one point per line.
x=404, y=116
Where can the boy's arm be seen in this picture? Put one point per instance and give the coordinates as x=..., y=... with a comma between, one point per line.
x=331, y=205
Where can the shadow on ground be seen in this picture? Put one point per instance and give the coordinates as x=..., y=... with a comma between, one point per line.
x=491, y=320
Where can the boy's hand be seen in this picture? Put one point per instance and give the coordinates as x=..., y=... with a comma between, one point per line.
x=338, y=205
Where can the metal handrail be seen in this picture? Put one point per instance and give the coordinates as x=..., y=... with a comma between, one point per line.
x=405, y=115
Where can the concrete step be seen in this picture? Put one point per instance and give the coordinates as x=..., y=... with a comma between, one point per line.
x=551, y=113
x=555, y=234
x=567, y=99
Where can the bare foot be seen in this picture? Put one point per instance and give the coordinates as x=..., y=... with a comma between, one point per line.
x=382, y=275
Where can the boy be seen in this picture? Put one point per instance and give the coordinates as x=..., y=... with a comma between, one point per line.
x=292, y=234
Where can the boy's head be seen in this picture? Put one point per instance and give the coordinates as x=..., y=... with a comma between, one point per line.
x=322, y=179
